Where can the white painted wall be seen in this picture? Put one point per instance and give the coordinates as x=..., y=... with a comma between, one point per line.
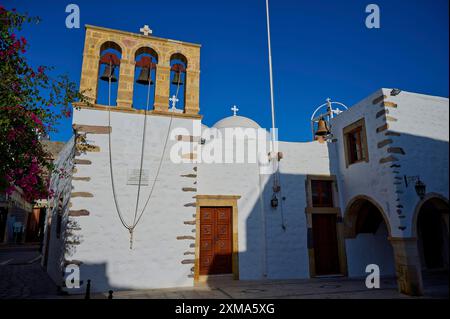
x=265, y=248
x=368, y=249
x=287, y=250
x=280, y=254
x=422, y=122
x=155, y=260
x=423, y=125
x=61, y=186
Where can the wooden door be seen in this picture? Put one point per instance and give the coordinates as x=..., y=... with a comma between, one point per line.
x=216, y=244
x=326, y=254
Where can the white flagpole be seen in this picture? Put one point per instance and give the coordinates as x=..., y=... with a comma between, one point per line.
x=271, y=76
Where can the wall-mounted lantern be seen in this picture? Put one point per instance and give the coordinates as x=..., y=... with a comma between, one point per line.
x=274, y=201
x=420, y=187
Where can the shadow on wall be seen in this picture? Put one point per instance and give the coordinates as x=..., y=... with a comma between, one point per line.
x=276, y=247
x=99, y=281
x=410, y=155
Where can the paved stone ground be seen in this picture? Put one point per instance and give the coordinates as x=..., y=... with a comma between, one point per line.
x=324, y=288
x=21, y=276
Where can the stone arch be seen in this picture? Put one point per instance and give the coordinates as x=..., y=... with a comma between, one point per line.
x=351, y=215
x=169, y=55
x=430, y=225
x=142, y=48
x=179, y=56
x=143, y=92
x=368, y=235
x=437, y=198
x=178, y=63
x=110, y=45
x=101, y=50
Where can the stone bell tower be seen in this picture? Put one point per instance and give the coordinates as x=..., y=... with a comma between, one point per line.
x=129, y=45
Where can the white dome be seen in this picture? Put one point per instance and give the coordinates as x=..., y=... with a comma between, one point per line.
x=236, y=121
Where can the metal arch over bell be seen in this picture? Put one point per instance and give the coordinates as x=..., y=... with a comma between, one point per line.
x=145, y=77
x=108, y=73
x=322, y=128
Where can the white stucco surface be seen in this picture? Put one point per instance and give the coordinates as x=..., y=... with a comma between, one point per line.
x=272, y=243
x=157, y=255
x=265, y=248
x=61, y=185
x=421, y=122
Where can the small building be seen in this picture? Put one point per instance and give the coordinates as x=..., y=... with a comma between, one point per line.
x=14, y=212
x=22, y=221
x=178, y=202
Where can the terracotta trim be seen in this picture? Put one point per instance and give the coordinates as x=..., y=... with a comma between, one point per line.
x=379, y=99
x=92, y=129
x=81, y=194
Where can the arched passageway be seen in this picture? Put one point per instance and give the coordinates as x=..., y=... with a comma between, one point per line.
x=367, y=233
x=432, y=229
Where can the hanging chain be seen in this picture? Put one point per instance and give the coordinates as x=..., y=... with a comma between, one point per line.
x=116, y=203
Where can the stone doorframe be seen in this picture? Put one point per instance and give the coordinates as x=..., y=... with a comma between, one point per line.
x=310, y=210
x=217, y=201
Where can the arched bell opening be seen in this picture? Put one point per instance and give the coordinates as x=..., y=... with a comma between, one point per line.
x=367, y=233
x=432, y=229
x=108, y=73
x=178, y=66
x=145, y=78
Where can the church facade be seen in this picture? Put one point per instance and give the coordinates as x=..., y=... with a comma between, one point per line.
x=374, y=192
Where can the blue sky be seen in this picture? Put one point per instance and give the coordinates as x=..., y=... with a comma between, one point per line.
x=320, y=49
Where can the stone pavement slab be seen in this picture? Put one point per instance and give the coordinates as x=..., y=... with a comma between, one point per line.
x=324, y=288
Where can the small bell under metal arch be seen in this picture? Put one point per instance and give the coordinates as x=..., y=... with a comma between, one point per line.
x=322, y=128
x=108, y=73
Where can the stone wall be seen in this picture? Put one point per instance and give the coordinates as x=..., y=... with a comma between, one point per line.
x=128, y=44
x=61, y=185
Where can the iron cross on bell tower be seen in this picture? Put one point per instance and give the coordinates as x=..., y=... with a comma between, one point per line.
x=146, y=30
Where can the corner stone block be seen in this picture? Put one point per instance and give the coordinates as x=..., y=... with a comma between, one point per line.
x=407, y=265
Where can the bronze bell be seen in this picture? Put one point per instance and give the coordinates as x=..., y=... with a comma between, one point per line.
x=177, y=80
x=322, y=128
x=144, y=77
x=108, y=73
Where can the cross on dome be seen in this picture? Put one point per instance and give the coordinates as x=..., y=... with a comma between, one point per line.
x=146, y=30
x=234, y=109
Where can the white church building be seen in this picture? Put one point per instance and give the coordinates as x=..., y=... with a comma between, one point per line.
x=372, y=188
